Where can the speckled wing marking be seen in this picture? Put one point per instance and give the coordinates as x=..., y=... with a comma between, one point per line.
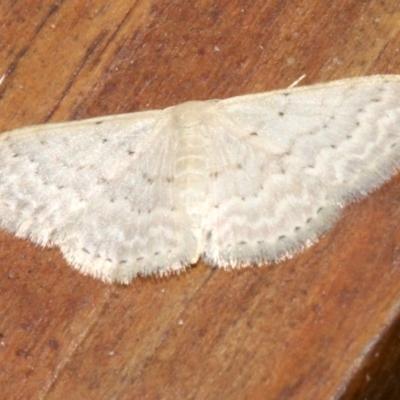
x=289, y=160
x=238, y=182
x=102, y=190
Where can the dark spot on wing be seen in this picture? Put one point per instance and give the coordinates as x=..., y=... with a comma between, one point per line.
x=214, y=174
x=148, y=179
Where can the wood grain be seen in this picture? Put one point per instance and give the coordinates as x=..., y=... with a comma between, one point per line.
x=319, y=326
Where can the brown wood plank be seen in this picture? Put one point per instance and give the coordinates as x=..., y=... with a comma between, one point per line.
x=308, y=328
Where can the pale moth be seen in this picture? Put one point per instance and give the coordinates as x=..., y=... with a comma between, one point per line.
x=243, y=181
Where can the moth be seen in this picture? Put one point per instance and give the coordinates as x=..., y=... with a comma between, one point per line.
x=237, y=182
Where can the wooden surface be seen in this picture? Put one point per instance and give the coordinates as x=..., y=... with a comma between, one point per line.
x=320, y=326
